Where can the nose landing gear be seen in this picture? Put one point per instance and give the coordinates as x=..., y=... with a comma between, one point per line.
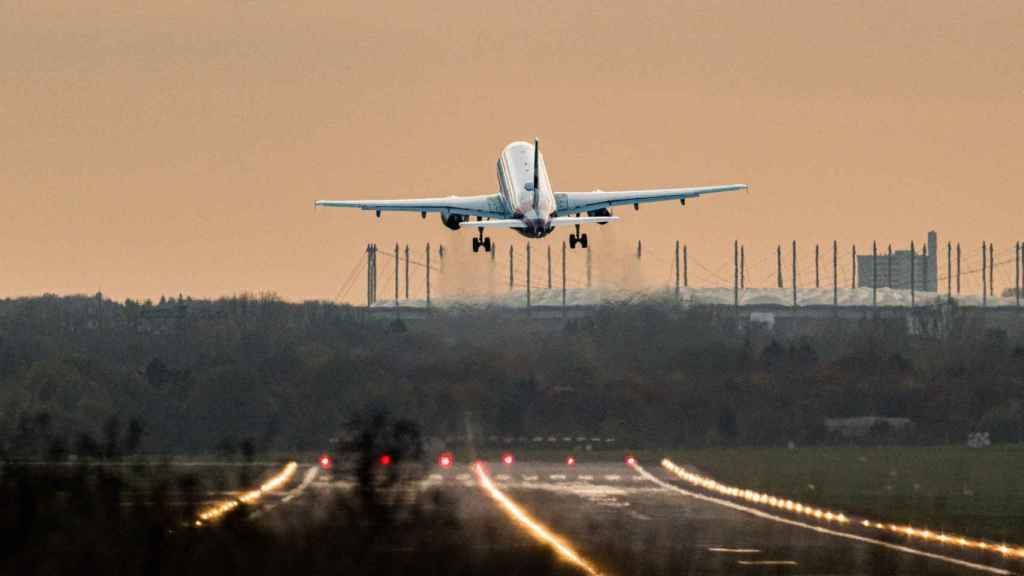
x=481, y=242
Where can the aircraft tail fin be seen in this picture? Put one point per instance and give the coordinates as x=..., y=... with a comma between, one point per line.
x=536, y=173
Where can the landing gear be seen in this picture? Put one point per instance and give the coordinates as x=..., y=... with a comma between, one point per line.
x=481, y=242
x=580, y=239
x=577, y=238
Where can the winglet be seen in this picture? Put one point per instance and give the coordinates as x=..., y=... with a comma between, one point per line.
x=536, y=172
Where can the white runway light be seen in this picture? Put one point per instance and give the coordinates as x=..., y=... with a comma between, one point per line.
x=216, y=511
x=830, y=517
x=537, y=530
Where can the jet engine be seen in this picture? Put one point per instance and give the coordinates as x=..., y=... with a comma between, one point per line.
x=601, y=212
x=452, y=220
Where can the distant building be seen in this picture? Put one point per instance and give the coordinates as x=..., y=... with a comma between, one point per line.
x=895, y=271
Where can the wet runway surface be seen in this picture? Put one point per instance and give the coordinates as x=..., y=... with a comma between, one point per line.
x=626, y=520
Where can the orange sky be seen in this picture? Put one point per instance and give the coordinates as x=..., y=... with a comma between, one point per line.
x=156, y=148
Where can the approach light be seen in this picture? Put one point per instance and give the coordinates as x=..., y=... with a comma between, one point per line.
x=445, y=460
x=570, y=461
x=385, y=460
x=630, y=461
x=325, y=462
x=507, y=459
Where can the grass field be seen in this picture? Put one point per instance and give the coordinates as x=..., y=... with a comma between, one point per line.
x=976, y=492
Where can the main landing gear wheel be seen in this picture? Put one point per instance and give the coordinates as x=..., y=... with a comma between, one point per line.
x=479, y=243
x=580, y=239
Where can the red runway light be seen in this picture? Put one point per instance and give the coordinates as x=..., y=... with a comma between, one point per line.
x=325, y=462
x=507, y=459
x=445, y=460
x=570, y=461
x=630, y=461
x=385, y=459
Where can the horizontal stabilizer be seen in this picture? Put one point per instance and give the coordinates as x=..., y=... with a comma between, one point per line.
x=512, y=223
x=571, y=220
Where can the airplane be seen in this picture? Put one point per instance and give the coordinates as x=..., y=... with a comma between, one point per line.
x=526, y=203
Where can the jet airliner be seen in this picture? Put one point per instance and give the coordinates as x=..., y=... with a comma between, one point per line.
x=526, y=203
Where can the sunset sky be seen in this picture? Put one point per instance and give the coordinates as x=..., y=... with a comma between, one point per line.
x=152, y=148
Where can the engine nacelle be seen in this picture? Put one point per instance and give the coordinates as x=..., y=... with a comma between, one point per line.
x=452, y=220
x=601, y=212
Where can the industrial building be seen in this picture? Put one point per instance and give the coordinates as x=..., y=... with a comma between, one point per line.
x=898, y=269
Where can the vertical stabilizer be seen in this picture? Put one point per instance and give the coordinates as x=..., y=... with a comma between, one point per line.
x=536, y=173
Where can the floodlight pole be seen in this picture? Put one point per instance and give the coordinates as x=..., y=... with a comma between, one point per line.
x=794, y=273
x=817, y=257
x=835, y=273
x=984, y=274
x=563, y=278
x=528, y=252
x=874, y=274
x=677, y=269
x=913, y=286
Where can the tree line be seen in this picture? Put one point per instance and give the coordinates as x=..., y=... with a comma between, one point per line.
x=203, y=376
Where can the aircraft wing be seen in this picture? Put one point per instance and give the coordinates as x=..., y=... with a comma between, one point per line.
x=487, y=206
x=576, y=202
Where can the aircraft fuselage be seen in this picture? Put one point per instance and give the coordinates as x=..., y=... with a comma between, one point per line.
x=515, y=185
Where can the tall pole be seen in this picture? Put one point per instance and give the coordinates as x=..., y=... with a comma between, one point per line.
x=794, y=272
x=778, y=265
x=588, y=267
x=735, y=273
x=639, y=248
x=743, y=268
x=874, y=274
x=549, y=267
x=913, y=285
x=835, y=273
x=563, y=278
x=396, y=275
x=817, y=257
x=686, y=267
x=511, y=267
x=984, y=274
x=924, y=267
x=1016, y=273
x=853, y=281
x=528, y=251
x=889, y=281
x=949, y=271
x=406, y=271
x=677, y=269
x=369, y=275
x=991, y=269
x=428, y=274
x=958, y=269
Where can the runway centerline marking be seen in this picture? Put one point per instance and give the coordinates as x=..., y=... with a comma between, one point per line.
x=819, y=529
x=536, y=529
x=734, y=550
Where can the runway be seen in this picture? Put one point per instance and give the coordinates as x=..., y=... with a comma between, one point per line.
x=621, y=519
